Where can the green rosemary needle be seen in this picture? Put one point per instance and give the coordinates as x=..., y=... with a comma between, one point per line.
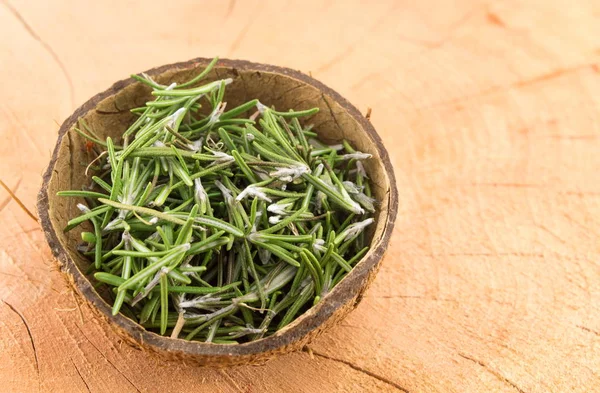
x=219, y=225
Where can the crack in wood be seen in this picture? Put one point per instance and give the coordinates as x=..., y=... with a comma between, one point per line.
x=80, y=376
x=240, y=37
x=551, y=233
x=237, y=41
x=107, y=359
x=357, y=368
x=587, y=229
x=587, y=329
x=493, y=372
x=231, y=381
x=230, y=9
x=46, y=47
x=14, y=190
x=14, y=197
x=345, y=53
x=35, y=357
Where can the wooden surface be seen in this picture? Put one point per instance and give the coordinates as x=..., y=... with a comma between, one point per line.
x=490, y=112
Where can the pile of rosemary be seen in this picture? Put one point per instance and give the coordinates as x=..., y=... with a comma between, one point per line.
x=220, y=227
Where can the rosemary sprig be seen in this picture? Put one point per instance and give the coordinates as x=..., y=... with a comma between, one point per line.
x=216, y=225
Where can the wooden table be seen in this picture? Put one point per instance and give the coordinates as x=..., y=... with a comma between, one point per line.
x=490, y=112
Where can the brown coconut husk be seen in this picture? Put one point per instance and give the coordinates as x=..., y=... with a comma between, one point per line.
x=108, y=115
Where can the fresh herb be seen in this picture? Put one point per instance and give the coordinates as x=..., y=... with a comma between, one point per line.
x=221, y=226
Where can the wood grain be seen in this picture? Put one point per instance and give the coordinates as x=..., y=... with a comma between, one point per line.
x=490, y=113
